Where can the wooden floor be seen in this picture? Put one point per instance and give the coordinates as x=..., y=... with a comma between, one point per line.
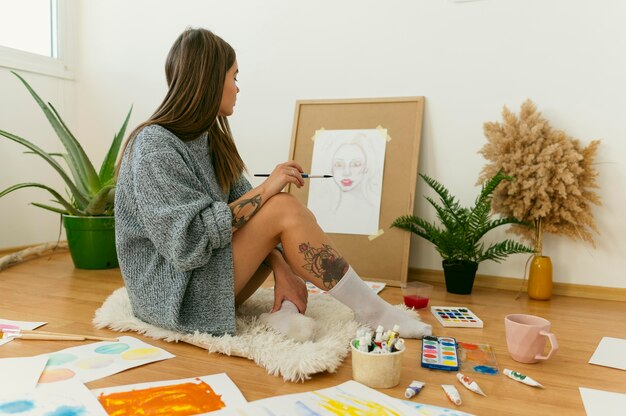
x=51, y=289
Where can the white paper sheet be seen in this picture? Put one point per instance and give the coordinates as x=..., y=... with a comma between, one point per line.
x=603, y=403
x=611, y=352
x=8, y=324
x=21, y=373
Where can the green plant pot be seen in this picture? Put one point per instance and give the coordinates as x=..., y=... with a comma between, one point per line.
x=91, y=241
x=459, y=276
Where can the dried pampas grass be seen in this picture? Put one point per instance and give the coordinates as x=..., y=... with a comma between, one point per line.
x=554, y=175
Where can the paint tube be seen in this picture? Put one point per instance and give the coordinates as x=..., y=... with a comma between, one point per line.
x=380, y=330
x=399, y=345
x=360, y=344
x=470, y=384
x=379, y=338
x=364, y=344
x=413, y=388
x=394, y=334
x=452, y=393
x=521, y=378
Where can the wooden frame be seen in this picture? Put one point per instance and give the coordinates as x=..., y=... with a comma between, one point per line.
x=383, y=257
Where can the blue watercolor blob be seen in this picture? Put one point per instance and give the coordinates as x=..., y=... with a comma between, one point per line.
x=60, y=358
x=116, y=348
x=484, y=369
x=17, y=406
x=67, y=411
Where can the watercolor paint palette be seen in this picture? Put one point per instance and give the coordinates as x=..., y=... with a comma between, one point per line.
x=479, y=358
x=456, y=316
x=439, y=353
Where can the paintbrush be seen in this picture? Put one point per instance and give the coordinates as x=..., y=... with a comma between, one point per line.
x=15, y=332
x=15, y=335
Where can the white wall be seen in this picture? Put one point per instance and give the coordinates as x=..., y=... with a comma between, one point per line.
x=467, y=58
x=21, y=223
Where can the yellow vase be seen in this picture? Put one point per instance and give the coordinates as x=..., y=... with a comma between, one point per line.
x=540, y=278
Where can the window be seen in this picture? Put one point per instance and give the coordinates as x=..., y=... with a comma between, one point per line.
x=33, y=36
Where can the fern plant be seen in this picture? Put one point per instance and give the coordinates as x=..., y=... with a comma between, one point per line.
x=91, y=193
x=458, y=236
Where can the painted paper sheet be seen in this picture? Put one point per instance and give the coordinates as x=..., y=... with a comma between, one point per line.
x=7, y=324
x=190, y=396
x=349, y=202
x=92, y=361
x=65, y=398
x=22, y=371
x=349, y=398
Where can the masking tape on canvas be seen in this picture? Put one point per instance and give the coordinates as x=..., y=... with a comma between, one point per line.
x=379, y=127
x=317, y=132
x=373, y=236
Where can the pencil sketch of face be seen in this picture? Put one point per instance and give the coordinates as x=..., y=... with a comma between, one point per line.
x=348, y=165
x=349, y=203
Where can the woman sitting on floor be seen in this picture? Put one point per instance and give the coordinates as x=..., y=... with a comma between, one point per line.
x=195, y=240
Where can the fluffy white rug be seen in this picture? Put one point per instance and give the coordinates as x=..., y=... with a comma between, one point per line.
x=280, y=356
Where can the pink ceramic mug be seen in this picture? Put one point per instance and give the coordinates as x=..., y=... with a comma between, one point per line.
x=526, y=337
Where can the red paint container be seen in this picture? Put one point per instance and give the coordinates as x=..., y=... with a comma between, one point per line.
x=416, y=294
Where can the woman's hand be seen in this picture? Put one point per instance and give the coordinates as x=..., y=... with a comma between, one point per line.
x=289, y=286
x=282, y=175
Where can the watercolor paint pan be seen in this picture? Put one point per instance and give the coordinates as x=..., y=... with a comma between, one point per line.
x=456, y=316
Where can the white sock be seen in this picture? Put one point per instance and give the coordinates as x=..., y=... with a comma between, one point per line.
x=290, y=322
x=372, y=310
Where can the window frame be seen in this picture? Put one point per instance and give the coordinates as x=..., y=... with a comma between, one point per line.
x=59, y=67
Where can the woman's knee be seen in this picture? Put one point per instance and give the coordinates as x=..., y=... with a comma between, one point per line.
x=288, y=209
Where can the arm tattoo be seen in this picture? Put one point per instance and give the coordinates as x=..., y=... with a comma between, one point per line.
x=240, y=218
x=324, y=263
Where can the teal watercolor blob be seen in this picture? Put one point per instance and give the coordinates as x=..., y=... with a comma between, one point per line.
x=116, y=348
x=67, y=411
x=485, y=369
x=17, y=406
x=60, y=358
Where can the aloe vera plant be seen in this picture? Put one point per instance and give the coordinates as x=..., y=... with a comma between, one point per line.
x=458, y=237
x=91, y=193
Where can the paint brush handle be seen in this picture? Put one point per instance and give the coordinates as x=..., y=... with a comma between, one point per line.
x=90, y=337
x=304, y=176
x=15, y=332
x=49, y=337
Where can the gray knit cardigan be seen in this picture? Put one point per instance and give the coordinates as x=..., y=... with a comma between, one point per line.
x=173, y=234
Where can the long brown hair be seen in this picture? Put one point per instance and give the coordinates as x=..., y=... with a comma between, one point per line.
x=195, y=70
